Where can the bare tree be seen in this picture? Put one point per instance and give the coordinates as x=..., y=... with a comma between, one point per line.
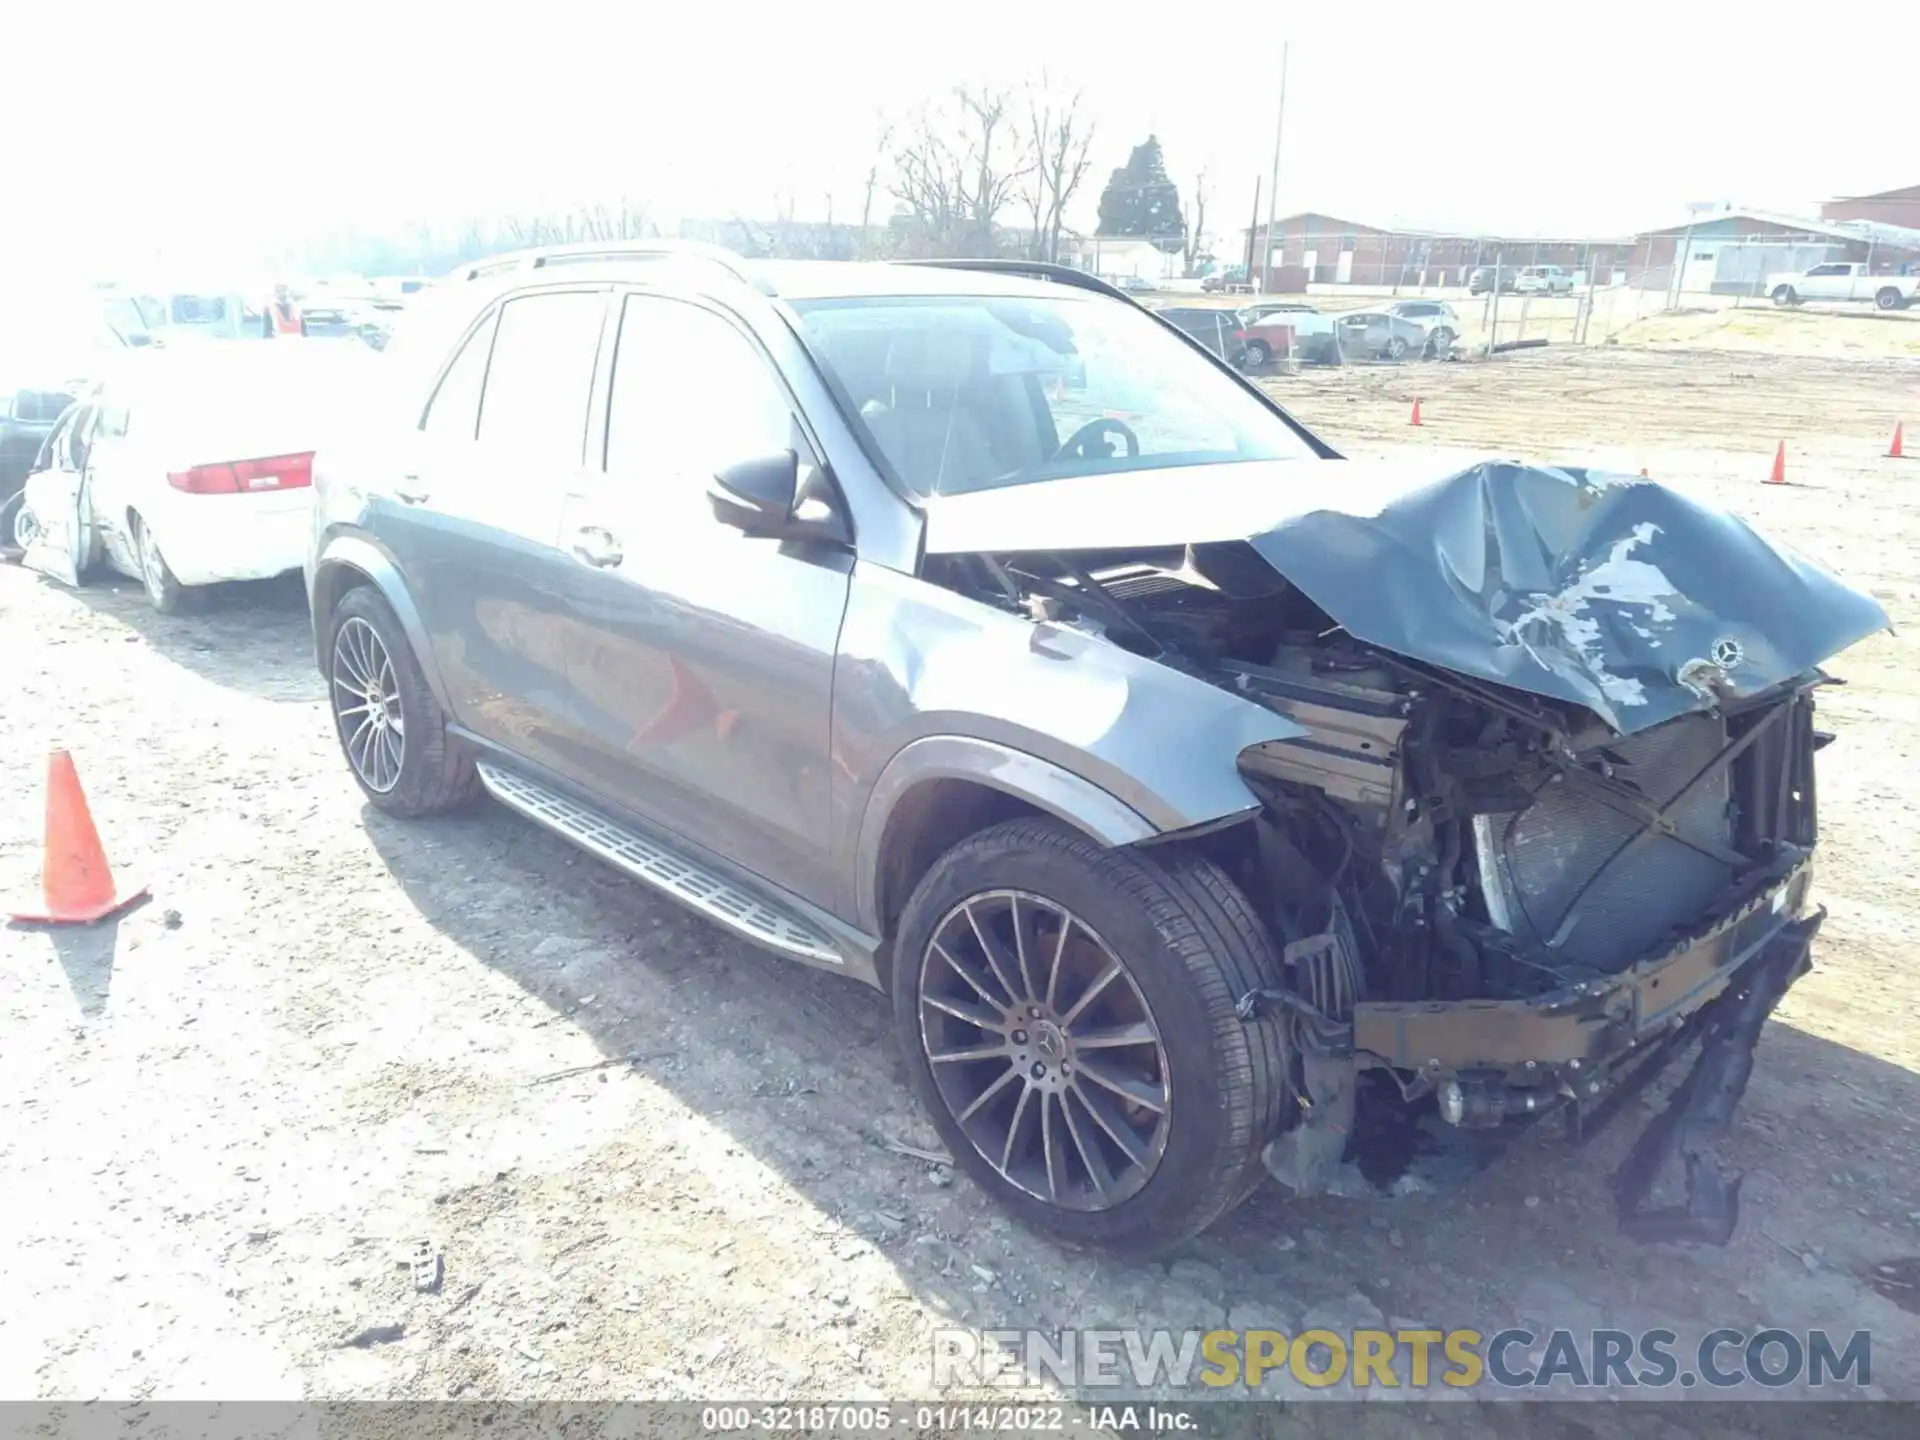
x=873, y=183
x=957, y=169
x=1197, y=231
x=1059, y=140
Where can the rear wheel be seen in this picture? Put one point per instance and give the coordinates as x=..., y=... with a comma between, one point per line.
x=391, y=728
x=1068, y=1017
x=1887, y=299
x=1784, y=295
x=164, y=590
x=1397, y=347
x=1257, y=355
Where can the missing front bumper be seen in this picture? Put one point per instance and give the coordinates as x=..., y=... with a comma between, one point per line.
x=1701, y=1109
x=1582, y=1053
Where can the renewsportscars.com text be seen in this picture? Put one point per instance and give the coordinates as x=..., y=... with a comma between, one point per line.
x=1220, y=1361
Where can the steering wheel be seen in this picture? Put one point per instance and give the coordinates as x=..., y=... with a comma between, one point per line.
x=1075, y=445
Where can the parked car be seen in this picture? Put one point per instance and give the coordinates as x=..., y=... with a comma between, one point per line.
x=1137, y=285
x=1200, y=804
x=27, y=416
x=1227, y=282
x=1285, y=327
x=1216, y=328
x=1436, y=317
x=1847, y=282
x=1481, y=279
x=1380, y=335
x=186, y=468
x=1543, y=280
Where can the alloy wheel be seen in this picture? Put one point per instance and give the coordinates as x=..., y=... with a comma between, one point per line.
x=366, y=699
x=153, y=570
x=26, y=525
x=1044, y=1050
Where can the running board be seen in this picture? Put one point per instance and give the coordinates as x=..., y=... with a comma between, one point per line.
x=649, y=862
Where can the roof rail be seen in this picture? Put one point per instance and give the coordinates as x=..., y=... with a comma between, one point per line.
x=585, y=252
x=1037, y=270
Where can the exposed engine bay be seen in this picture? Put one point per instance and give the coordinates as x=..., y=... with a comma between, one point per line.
x=1478, y=892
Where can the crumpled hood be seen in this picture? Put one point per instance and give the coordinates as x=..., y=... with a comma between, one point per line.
x=1609, y=591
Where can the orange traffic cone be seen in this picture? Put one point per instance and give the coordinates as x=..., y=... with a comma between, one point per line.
x=77, y=887
x=1416, y=411
x=1899, y=446
x=1779, y=475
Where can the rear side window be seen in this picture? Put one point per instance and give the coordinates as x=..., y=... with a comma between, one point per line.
x=198, y=309
x=454, y=411
x=690, y=393
x=541, y=376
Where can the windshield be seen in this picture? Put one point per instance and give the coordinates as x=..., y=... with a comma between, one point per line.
x=966, y=392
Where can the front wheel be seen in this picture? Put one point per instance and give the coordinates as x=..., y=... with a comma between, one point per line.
x=1068, y=1017
x=391, y=728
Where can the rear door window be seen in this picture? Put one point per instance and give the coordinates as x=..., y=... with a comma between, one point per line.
x=540, y=379
x=454, y=411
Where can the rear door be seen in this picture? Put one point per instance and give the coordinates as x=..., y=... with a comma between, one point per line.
x=473, y=518
x=56, y=496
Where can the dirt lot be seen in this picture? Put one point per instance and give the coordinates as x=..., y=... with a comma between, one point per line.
x=331, y=1034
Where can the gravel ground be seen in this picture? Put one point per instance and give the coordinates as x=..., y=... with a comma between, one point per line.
x=330, y=1035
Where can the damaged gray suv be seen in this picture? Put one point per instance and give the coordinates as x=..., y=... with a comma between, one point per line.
x=1209, y=806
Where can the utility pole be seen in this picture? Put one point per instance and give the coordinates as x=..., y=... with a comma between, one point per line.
x=1273, y=185
x=1253, y=228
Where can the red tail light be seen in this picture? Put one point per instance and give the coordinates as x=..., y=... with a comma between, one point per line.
x=246, y=477
x=1239, y=334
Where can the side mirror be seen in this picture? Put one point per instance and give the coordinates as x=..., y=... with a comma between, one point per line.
x=756, y=496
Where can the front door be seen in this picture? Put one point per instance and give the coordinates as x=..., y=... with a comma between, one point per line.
x=701, y=660
x=473, y=514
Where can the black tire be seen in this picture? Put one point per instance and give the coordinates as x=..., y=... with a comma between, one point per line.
x=164, y=591
x=1257, y=356
x=1785, y=295
x=1397, y=347
x=16, y=525
x=1441, y=341
x=1192, y=945
x=1887, y=299
x=436, y=773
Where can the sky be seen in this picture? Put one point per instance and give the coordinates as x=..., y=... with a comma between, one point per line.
x=212, y=133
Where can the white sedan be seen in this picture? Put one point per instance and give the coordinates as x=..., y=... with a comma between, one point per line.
x=192, y=466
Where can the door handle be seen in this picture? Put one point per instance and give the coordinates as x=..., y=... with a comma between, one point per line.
x=408, y=491
x=597, y=546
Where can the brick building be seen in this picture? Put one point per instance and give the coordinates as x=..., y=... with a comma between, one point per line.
x=1887, y=207
x=1317, y=249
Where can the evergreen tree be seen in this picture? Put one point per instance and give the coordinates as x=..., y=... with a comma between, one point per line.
x=1141, y=199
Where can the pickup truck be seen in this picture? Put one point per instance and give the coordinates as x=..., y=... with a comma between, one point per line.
x=1845, y=280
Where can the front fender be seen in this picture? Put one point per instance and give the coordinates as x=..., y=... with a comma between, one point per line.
x=1041, y=783
x=1112, y=742
x=348, y=558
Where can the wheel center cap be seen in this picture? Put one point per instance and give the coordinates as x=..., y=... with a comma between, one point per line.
x=1048, y=1040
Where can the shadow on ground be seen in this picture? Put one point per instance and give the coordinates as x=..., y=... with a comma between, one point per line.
x=801, y=1069
x=252, y=636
